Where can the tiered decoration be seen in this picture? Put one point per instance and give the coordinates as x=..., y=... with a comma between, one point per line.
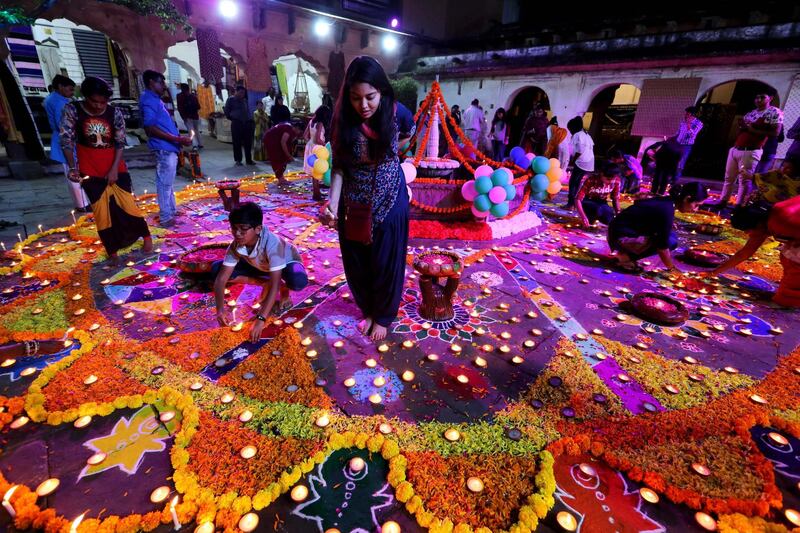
x=443, y=191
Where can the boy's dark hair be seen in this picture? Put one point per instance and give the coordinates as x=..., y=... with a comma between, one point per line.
x=184, y=86
x=575, y=125
x=92, y=86
x=62, y=81
x=610, y=169
x=475, y=102
x=247, y=213
x=151, y=75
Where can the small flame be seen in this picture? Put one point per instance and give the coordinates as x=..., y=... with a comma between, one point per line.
x=75, y=523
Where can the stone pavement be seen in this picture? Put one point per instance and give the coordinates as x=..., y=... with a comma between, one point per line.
x=47, y=201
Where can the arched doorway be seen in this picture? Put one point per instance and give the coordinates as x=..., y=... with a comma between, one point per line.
x=520, y=108
x=610, y=117
x=299, y=80
x=720, y=109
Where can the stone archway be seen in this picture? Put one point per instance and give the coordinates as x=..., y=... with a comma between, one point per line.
x=610, y=115
x=720, y=107
x=520, y=104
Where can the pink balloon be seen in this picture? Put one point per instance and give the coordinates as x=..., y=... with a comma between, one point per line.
x=479, y=214
x=530, y=155
x=483, y=170
x=497, y=195
x=409, y=192
x=409, y=171
x=468, y=191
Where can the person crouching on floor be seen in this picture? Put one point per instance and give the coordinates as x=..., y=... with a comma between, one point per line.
x=258, y=257
x=645, y=228
x=592, y=198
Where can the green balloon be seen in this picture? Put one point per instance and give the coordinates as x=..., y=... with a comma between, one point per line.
x=499, y=178
x=511, y=192
x=482, y=202
x=500, y=210
x=539, y=183
x=483, y=185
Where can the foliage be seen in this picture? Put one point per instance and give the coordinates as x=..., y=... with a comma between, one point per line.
x=405, y=91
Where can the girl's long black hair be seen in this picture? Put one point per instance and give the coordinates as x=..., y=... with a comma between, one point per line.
x=347, y=121
x=323, y=116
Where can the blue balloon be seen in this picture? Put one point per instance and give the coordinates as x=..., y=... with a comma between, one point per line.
x=482, y=203
x=539, y=183
x=499, y=177
x=522, y=161
x=499, y=210
x=483, y=185
x=540, y=164
x=311, y=160
x=511, y=192
x=540, y=196
x=516, y=153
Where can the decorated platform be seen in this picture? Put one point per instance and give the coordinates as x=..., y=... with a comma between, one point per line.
x=542, y=404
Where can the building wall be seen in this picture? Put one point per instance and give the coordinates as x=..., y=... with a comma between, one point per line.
x=571, y=94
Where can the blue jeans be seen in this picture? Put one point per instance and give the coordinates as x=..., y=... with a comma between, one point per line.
x=166, y=165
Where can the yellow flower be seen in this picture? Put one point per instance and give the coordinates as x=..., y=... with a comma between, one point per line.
x=404, y=492
x=374, y=443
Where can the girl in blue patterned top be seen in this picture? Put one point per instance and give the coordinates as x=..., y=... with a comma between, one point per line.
x=367, y=180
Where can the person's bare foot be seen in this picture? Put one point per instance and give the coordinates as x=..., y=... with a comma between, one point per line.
x=378, y=332
x=280, y=307
x=114, y=259
x=283, y=184
x=365, y=325
x=147, y=247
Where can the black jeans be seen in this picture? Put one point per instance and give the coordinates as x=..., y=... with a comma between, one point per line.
x=242, y=133
x=575, y=180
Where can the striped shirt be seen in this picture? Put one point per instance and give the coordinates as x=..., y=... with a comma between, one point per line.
x=687, y=133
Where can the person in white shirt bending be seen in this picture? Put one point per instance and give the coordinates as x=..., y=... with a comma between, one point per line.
x=582, y=159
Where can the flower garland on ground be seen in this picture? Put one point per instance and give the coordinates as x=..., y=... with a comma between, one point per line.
x=29, y=515
x=417, y=479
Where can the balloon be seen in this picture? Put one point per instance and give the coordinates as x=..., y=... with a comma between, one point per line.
x=316, y=175
x=508, y=173
x=511, y=192
x=409, y=171
x=311, y=160
x=522, y=161
x=497, y=195
x=554, y=187
x=530, y=156
x=483, y=170
x=321, y=166
x=554, y=163
x=482, y=203
x=554, y=174
x=539, y=183
x=516, y=153
x=326, y=178
x=483, y=185
x=409, y=191
x=479, y=214
x=320, y=151
x=500, y=210
x=468, y=190
x=540, y=164
x=499, y=177
x=540, y=196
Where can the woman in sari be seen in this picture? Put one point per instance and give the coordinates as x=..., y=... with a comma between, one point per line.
x=556, y=143
x=261, y=119
x=95, y=132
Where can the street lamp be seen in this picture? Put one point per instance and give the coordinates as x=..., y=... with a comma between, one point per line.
x=228, y=9
x=389, y=43
x=322, y=28
x=394, y=23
